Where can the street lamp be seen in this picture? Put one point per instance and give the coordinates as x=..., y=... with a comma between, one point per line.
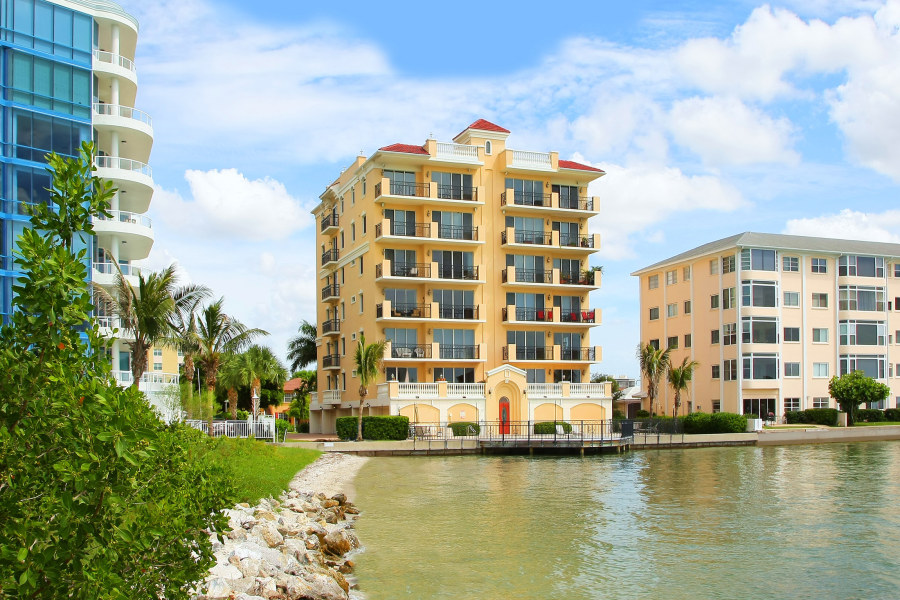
x=255, y=403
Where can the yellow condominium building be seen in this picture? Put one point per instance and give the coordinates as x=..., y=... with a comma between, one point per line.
x=471, y=260
x=771, y=318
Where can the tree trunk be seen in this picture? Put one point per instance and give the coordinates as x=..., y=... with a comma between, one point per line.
x=362, y=398
x=232, y=402
x=210, y=392
x=677, y=402
x=138, y=363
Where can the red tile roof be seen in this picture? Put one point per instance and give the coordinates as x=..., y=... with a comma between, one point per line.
x=293, y=385
x=569, y=164
x=483, y=125
x=405, y=148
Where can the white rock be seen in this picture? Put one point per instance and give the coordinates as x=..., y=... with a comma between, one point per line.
x=246, y=551
x=226, y=571
x=218, y=588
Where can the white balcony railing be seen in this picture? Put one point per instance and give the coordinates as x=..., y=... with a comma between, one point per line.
x=418, y=390
x=465, y=390
x=115, y=59
x=108, y=268
x=126, y=164
x=531, y=160
x=583, y=390
x=464, y=152
x=331, y=396
x=151, y=377
x=540, y=390
x=127, y=217
x=109, y=322
x=126, y=112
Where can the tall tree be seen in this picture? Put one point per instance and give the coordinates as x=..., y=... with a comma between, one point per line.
x=232, y=375
x=679, y=378
x=852, y=389
x=258, y=363
x=183, y=329
x=367, y=358
x=653, y=362
x=219, y=334
x=302, y=347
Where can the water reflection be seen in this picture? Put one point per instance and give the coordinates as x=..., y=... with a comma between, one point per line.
x=794, y=521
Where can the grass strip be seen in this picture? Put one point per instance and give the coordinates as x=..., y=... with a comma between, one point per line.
x=261, y=470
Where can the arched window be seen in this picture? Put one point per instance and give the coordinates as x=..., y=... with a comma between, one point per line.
x=487, y=147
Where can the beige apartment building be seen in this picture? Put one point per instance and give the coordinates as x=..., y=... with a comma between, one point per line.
x=771, y=318
x=471, y=260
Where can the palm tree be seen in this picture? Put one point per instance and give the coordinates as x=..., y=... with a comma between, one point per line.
x=654, y=362
x=231, y=377
x=218, y=334
x=183, y=326
x=302, y=347
x=680, y=377
x=367, y=358
x=258, y=363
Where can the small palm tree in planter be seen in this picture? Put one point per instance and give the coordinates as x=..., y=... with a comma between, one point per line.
x=588, y=276
x=367, y=358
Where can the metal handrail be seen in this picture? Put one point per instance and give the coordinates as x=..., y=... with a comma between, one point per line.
x=458, y=312
x=459, y=352
x=115, y=59
x=119, y=110
x=126, y=164
x=458, y=232
x=331, y=291
x=458, y=272
x=457, y=192
x=411, y=351
x=331, y=326
x=330, y=256
x=127, y=217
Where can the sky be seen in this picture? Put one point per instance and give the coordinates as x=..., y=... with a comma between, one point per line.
x=709, y=119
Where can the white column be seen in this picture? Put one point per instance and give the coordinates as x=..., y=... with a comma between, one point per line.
x=114, y=92
x=114, y=35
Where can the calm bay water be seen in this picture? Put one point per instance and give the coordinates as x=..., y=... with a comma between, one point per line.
x=786, y=522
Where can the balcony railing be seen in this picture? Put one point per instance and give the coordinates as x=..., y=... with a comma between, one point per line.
x=331, y=326
x=418, y=190
x=126, y=164
x=583, y=354
x=459, y=352
x=458, y=232
x=406, y=270
x=583, y=278
x=115, y=59
x=330, y=256
x=411, y=352
x=530, y=314
x=331, y=396
x=458, y=272
x=528, y=237
x=127, y=217
x=331, y=291
x=457, y=192
x=576, y=390
x=330, y=221
x=530, y=353
x=126, y=112
x=530, y=276
x=458, y=312
x=531, y=160
x=581, y=203
x=109, y=322
x=331, y=361
x=108, y=268
x=451, y=151
x=405, y=229
x=407, y=311
x=575, y=316
x=576, y=241
x=526, y=199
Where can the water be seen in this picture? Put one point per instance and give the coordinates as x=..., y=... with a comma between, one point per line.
x=785, y=522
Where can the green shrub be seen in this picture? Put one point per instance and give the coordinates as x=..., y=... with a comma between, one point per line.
x=642, y=414
x=374, y=428
x=698, y=422
x=870, y=415
x=618, y=414
x=302, y=426
x=281, y=427
x=464, y=428
x=243, y=415
x=723, y=422
x=817, y=416
x=549, y=427
x=892, y=414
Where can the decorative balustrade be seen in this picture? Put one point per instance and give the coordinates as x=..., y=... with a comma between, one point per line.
x=531, y=160
x=465, y=390
x=462, y=152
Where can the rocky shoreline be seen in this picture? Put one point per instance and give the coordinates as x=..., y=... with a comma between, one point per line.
x=298, y=546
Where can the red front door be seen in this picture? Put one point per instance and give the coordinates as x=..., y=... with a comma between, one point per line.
x=504, y=415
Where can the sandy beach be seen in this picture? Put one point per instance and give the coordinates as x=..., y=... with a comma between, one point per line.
x=330, y=474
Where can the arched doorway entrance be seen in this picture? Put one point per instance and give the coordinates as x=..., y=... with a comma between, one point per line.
x=504, y=415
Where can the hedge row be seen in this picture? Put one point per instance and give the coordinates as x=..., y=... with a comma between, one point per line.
x=549, y=427
x=817, y=416
x=465, y=428
x=720, y=422
x=374, y=428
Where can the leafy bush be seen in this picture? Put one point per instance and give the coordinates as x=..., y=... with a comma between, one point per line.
x=817, y=416
x=618, y=414
x=870, y=415
x=723, y=422
x=243, y=415
x=549, y=427
x=374, y=428
x=281, y=427
x=892, y=414
x=642, y=414
x=302, y=426
x=464, y=428
x=698, y=422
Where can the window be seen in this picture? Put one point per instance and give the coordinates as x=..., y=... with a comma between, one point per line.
x=673, y=342
x=729, y=334
x=791, y=404
x=654, y=313
x=759, y=330
x=654, y=344
x=364, y=193
x=352, y=196
x=730, y=367
x=715, y=371
x=714, y=336
x=487, y=146
x=454, y=186
x=728, y=264
x=759, y=293
x=714, y=301
x=671, y=277
x=872, y=365
x=157, y=352
x=790, y=264
x=792, y=369
x=671, y=310
x=792, y=334
x=343, y=346
x=687, y=340
x=364, y=216
x=896, y=269
x=758, y=260
x=760, y=366
x=861, y=266
x=352, y=232
x=792, y=298
x=714, y=266
x=716, y=406
x=729, y=298
x=686, y=273
x=820, y=369
x=653, y=282
x=853, y=297
x=687, y=307
x=360, y=303
x=819, y=265
x=862, y=333
x=819, y=300
x=342, y=239
x=820, y=335
x=822, y=402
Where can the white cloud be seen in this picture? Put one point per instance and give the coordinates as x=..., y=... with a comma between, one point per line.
x=724, y=131
x=850, y=225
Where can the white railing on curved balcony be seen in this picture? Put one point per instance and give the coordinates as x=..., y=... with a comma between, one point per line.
x=457, y=151
x=128, y=217
x=115, y=59
x=127, y=164
x=126, y=112
x=153, y=377
x=531, y=160
x=331, y=396
x=418, y=390
x=465, y=390
x=109, y=322
x=550, y=390
x=108, y=268
x=587, y=389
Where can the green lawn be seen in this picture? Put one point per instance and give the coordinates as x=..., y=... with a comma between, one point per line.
x=876, y=424
x=261, y=470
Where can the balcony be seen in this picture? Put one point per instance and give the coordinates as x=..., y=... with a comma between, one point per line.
x=457, y=153
x=331, y=327
x=527, y=353
x=409, y=230
x=330, y=257
x=532, y=161
x=512, y=275
x=135, y=126
x=386, y=187
x=434, y=352
x=395, y=390
x=457, y=233
x=538, y=238
x=427, y=194
x=569, y=390
x=133, y=178
x=548, y=204
x=530, y=199
x=464, y=312
x=431, y=311
x=326, y=397
x=405, y=311
x=403, y=269
x=120, y=66
x=586, y=242
x=331, y=293
x=577, y=354
x=517, y=313
x=578, y=317
x=433, y=272
x=459, y=352
x=105, y=273
x=409, y=352
x=330, y=224
x=458, y=272
x=331, y=361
